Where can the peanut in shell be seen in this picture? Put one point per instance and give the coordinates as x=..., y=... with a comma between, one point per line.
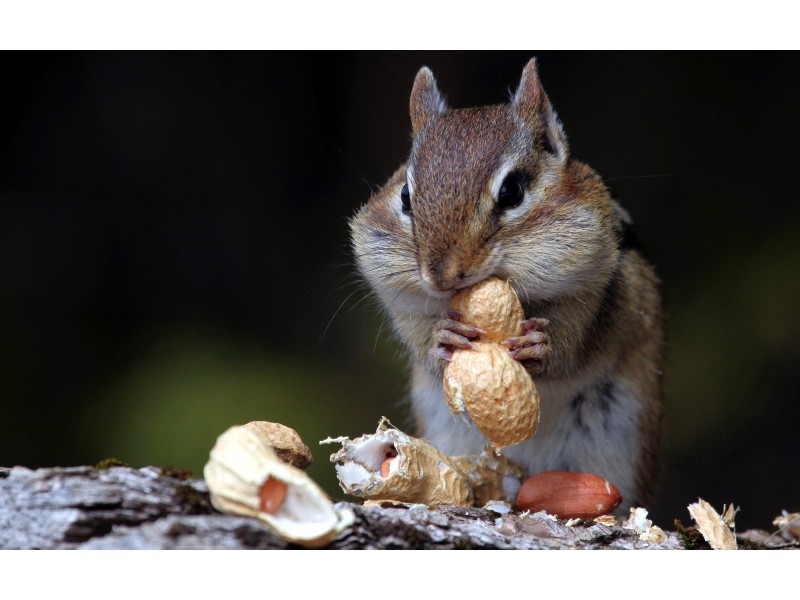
x=495, y=389
x=493, y=306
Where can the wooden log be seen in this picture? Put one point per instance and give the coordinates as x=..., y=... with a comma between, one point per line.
x=150, y=508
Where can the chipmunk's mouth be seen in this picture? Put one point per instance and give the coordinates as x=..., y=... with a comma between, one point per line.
x=464, y=282
x=444, y=276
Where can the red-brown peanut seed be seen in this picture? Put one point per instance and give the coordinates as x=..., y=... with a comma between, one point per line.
x=568, y=495
x=272, y=494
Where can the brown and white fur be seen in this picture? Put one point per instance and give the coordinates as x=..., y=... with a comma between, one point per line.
x=593, y=341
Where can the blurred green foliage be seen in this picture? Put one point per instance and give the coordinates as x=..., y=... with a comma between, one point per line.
x=730, y=333
x=169, y=404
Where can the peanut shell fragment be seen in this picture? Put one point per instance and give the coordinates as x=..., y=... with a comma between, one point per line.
x=715, y=530
x=491, y=477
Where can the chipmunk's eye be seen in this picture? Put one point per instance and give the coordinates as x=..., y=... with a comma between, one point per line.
x=405, y=198
x=512, y=191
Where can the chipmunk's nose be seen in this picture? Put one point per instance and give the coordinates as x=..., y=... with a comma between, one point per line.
x=443, y=274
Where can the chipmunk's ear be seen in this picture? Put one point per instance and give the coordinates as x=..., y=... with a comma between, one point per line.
x=533, y=106
x=426, y=102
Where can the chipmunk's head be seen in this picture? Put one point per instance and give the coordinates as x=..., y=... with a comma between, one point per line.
x=487, y=191
x=474, y=173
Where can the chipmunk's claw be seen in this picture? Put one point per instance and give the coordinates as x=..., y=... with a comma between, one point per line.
x=451, y=334
x=533, y=346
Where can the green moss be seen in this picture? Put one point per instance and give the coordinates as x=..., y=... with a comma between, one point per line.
x=175, y=473
x=110, y=462
x=691, y=537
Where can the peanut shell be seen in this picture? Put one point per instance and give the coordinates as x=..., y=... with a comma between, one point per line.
x=284, y=440
x=715, y=530
x=495, y=389
x=418, y=474
x=491, y=477
x=243, y=469
x=497, y=392
x=493, y=306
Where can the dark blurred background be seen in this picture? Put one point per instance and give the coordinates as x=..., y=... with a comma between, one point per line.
x=174, y=250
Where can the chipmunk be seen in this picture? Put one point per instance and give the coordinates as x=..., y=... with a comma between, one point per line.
x=492, y=191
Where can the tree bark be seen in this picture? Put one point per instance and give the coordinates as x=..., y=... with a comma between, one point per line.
x=151, y=508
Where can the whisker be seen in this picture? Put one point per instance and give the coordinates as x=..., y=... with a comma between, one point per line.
x=359, y=301
x=385, y=312
x=400, y=290
x=350, y=295
x=312, y=285
x=380, y=329
x=354, y=281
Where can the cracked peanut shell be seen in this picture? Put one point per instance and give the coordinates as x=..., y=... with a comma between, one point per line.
x=390, y=465
x=285, y=441
x=245, y=477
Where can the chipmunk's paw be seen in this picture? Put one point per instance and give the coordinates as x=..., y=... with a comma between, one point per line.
x=532, y=347
x=450, y=333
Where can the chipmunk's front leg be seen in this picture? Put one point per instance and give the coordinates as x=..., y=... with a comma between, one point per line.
x=532, y=347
